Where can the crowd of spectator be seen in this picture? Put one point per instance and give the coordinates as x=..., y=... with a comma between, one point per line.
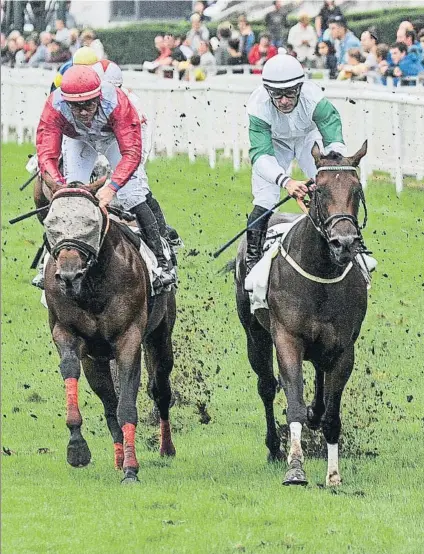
x=326, y=43
x=48, y=47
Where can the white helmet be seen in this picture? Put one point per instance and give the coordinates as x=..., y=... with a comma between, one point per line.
x=282, y=71
x=113, y=74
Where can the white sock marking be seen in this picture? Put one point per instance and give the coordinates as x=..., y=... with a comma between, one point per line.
x=295, y=446
x=333, y=459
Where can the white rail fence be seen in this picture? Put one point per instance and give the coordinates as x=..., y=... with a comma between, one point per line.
x=209, y=117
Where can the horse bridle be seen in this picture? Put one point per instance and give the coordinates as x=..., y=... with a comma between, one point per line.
x=325, y=225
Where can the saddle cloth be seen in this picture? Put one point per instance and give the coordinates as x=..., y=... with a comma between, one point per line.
x=258, y=279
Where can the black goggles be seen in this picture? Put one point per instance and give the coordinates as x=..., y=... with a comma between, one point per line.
x=277, y=94
x=86, y=105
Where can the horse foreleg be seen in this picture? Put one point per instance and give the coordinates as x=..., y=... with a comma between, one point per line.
x=335, y=381
x=99, y=377
x=290, y=357
x=160, y=361
x=78, y=453
x=128, y=358
x=259, y=350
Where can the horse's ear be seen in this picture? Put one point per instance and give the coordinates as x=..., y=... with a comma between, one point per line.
x=316, y=153
x=98, y=183
x=356, y=158
x=51, y=183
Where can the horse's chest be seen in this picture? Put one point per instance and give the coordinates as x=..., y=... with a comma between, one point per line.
x=328, y=325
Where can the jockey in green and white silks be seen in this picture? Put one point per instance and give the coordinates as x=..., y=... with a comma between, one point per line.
x=286, y=116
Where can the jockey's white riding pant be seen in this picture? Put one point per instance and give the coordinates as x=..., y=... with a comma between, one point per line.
x=79, y=158
x=265, y=193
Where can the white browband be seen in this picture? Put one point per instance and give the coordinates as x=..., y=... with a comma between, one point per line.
x=336, y=168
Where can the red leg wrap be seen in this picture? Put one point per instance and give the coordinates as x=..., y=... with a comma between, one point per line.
x=130, y=459
x=73, y=415
x=166, y=446
x=119, y=455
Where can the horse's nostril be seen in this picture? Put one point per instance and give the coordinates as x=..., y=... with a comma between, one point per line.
x=336, y=243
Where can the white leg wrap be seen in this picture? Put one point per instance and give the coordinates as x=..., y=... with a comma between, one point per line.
x=333, y=475
x=295, y=445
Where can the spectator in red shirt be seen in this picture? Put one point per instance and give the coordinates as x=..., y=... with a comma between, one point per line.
x=164, y=58
x=261, y=52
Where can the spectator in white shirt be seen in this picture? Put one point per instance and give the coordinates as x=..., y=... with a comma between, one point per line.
x=88, y=38
x=303, y=38
x=207, y=59
x=197, y=32
x=62, y=33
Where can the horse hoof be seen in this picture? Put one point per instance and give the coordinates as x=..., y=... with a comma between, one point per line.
x=333, y=480
x=313, y=421
x=130, y=477
x=295, y=476
x=168, y=451
x=78, y=453
x=273, y=457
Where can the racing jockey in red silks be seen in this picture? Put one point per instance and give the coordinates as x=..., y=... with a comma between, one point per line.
x=113, y=74
x=95, y=117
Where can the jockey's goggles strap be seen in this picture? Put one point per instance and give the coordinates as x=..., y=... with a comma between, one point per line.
x=86, y=104
x=277, y=94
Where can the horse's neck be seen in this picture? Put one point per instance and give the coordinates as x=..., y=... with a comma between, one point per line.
x=99, y=270
x=106, y=255
x=311, y=251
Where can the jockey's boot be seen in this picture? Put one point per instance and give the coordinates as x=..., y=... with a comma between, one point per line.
x=255, y=237
x=166, y=231
x=158, y=213
x=38, y=280
x=150, y=229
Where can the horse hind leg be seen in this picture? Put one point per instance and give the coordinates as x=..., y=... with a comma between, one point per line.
x=259, y=350
x=160, y=361
x=290, y=357
x=128, y=358
x=335, y=381
x=97, y=372
x=317, y=408
x=78, y=453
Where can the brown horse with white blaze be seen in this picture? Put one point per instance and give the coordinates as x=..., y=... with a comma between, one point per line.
x=98, y=294
x=315, y=312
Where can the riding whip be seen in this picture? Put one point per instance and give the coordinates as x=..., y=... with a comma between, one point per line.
x=230, y=242
x=277, y=205
x=24, y=186
x=120, y=213
x=28, y=214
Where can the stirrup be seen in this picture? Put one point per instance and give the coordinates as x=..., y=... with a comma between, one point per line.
x=38, y=281
x=164, y=280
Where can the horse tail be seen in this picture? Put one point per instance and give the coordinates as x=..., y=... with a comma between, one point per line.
x=229, y=267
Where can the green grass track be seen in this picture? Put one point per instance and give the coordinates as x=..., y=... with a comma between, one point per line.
x=218, y=495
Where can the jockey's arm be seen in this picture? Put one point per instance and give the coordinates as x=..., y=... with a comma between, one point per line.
x=261, y=152
x=49, y=141
x=263, y=159
x=329, y=124
x=126, y=126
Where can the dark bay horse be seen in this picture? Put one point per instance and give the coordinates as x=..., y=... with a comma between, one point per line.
x=316, y=319
x=100, y=306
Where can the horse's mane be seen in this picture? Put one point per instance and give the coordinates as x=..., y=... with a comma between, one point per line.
x=334, y=156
